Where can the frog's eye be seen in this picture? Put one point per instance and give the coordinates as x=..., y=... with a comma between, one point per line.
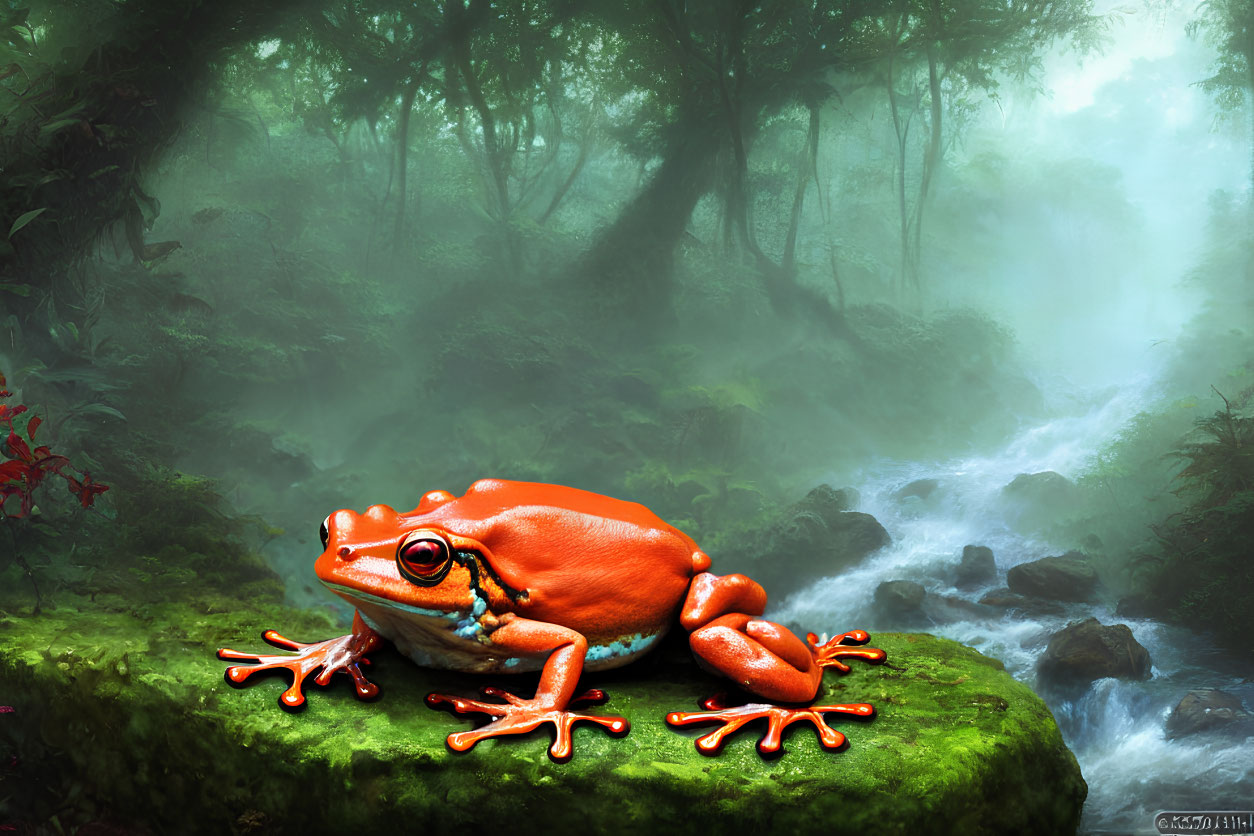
x=323, y=533
x=424, y=558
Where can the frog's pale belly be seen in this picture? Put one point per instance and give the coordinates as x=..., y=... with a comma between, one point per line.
x=458, y=641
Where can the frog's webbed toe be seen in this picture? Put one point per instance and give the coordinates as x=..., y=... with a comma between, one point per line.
x=770, y=662
x=519, y=716
x=778, y=718
x=344, y=653
x=845, y=646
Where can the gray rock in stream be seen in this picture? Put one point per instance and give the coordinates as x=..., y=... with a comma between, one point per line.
x=902, y=602
x=826, y=502
x=1088, y=650
x=1067, y=577
x=1138, y=606
x=977, y=567
x=1205, y=710
x=900, y=599
x=817, y=537
x=1044, y=488
x=918, y=489
x=1040, y=500
x=1004, y=599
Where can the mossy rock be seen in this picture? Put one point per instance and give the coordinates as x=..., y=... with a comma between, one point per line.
x=135, y=703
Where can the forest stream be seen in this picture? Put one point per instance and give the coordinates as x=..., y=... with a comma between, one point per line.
x=1116, y=726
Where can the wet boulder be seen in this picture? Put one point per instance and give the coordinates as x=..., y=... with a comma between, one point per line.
x=1004, y=599
x=1137, y=606
x=1088, y=650
x=1067, y=577
x=946, y=609
x=1205, y=710
x=977, y=567
x=1044, y=488
x=854, y=535
x=815, y=538
x=903, y=602
x=1038, y=500
x=958, y=740
x=919, y=489
x=900, y=599
x=826, y=502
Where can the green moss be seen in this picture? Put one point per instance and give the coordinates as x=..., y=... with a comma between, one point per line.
x=135, y=701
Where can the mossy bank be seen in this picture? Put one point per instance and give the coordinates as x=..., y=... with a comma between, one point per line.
x=130, y=708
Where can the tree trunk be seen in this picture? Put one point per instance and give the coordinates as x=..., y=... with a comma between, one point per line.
x=630, y=265
x=492, y=152
x=560, y=194
x=496, y=160
x=1248, y=52
x=840, y=287
x=807, y=166
x=585, y=147
x=738, y=200
x=931, y=157
x=1249, y=60
x=402, y=159
x=902, y=129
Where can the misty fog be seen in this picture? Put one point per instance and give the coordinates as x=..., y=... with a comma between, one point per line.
x=566, y=267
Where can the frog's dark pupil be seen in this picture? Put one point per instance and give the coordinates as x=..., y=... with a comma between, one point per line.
x=324, y=534
x=424, y=557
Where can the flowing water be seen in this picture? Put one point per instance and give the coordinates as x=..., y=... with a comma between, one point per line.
x=1115, y=727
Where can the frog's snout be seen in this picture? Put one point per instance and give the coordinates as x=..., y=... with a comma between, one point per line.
x=344, y=527
x=324, y=533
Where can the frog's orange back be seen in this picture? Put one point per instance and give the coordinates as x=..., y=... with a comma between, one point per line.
x=605, y=567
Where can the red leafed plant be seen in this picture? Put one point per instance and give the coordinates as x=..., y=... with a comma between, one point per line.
x=23, y=469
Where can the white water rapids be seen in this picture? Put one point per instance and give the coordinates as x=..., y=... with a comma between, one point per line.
x=1116, y=728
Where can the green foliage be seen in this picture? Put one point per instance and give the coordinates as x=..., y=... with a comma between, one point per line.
x=1228, y=25
x=1128, y=482
x=163, y=533
x=1219, y=341
x=1221, y=463
x=1199, y=570
x=178, y=540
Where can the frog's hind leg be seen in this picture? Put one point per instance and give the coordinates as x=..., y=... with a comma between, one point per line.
x=555, y=694
x=764, y=658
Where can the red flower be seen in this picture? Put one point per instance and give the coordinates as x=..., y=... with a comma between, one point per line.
x=86, y=490
x=19, y=448
x=12, y=470
x=8, y=413
x=23, y=470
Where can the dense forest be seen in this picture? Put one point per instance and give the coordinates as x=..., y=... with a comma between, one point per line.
x=266, y=260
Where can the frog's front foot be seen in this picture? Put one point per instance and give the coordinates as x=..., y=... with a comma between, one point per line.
x=344, y=653
x=518, y=716
x=778, y=718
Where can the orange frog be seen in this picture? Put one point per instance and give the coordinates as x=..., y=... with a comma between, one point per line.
x=519, y=576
